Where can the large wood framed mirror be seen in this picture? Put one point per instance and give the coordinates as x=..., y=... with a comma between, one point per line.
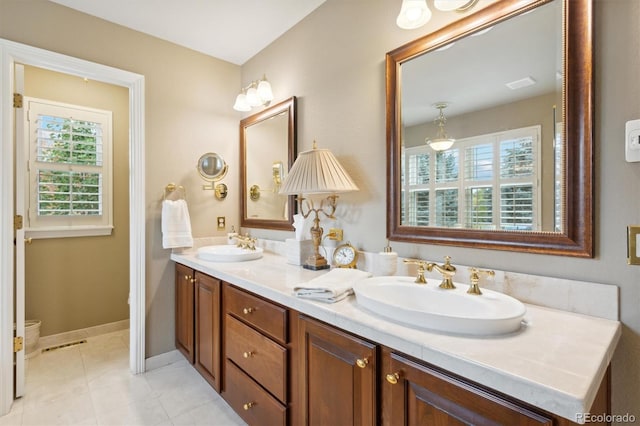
x=267, y=151
x=514, y=84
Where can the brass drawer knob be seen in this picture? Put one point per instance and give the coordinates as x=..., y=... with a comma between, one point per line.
x=187, y=277
x=362, y=362
x=247, y=311
x=248, y=405
x=393, y=378
x=247, y=354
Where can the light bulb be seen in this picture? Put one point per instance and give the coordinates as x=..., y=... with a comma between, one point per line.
x=413, y=14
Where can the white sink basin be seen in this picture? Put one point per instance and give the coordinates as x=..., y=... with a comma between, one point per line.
x=228, y=253
x=428, y=307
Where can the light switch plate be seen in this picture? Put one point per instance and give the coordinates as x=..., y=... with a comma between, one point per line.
x=632, y=141
x=633, y=244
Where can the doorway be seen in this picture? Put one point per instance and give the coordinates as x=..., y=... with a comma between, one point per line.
x=12, y=53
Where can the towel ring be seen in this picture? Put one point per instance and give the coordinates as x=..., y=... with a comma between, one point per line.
x=177, y=189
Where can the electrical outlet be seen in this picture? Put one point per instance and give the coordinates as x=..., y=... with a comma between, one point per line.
x=335, y=234
x=221, y=223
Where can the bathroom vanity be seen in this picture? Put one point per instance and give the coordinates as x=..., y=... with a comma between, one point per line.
x=278, y=359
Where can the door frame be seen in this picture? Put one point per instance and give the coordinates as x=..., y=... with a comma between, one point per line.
x=10, y=53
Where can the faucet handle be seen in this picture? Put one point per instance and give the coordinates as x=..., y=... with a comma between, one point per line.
x=475, y=279
x=421, y=267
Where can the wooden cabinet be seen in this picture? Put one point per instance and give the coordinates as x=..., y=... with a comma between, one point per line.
x=256, y=358
x=414, y=393
x=338, y=376
x=185, y=320
x=207, y=328
x=276, y=366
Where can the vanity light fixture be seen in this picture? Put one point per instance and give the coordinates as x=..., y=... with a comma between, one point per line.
x=451, y=5
x=415, y=13
x=441, y=142
x=317, y=172
x=258, y=93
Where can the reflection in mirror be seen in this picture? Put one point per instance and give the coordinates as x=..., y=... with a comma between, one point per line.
x=518, y=175
x=267, y=144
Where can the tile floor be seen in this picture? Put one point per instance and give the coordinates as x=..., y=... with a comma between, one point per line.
x=90, y=384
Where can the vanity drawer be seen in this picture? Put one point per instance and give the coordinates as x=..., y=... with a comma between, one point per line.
x=265, y=316
x=250, y=401
x=260, y=357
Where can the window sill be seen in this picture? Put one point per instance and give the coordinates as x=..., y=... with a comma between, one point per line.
x=68, y=232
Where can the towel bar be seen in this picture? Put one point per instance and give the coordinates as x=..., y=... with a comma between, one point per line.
x=177, y=189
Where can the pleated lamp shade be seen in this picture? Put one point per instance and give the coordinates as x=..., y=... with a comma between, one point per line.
x=317, y=172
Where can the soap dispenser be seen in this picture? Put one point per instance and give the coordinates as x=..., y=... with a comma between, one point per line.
x=387, y=263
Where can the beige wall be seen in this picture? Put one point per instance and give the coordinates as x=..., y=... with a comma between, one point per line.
x=188, y=99
x=74, y=283
x=334, y=62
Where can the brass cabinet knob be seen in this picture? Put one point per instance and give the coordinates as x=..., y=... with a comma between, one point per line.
x=248, y=354
x=247, y=311
x=187, y=277
x=393, y=378
x=248, y=405
x=362, y=362
x=28, y=240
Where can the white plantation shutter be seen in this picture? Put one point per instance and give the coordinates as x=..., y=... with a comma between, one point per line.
x=69, y=170
x=484, y=182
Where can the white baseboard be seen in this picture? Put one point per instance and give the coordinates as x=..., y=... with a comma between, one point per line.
x=70, y=336
x=163, y=360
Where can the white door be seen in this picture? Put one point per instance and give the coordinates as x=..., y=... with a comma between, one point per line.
x=19, y=192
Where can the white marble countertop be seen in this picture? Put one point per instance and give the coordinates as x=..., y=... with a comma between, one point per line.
x=555, y=363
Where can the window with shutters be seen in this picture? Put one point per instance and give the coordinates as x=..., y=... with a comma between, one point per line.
x=69, y=167
x=483, y=182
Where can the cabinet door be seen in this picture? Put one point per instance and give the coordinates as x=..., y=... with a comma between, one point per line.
x=207, y=341
x=184, y=311
x=338, y=376
x=414, y=394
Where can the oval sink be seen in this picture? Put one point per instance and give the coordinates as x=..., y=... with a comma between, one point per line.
x=428, y=307
x=228, y=253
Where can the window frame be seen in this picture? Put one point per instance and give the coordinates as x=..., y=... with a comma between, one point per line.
x=38, y=227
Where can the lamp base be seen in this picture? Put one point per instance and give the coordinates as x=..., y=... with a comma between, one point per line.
x=316, y=267
x=316, y=262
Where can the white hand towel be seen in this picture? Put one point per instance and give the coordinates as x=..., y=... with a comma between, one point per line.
x=331, y=287
x=176, y=224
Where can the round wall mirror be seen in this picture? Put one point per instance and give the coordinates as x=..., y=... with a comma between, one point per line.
x=212, y=166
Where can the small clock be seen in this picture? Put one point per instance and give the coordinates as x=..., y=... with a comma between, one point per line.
x=345, y=256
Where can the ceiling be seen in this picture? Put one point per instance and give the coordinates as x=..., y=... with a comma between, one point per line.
x=472, y=74
x=232, y=30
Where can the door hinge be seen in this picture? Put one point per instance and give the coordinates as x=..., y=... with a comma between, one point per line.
x=17, y=100
x=17, y=222
x=17, y=343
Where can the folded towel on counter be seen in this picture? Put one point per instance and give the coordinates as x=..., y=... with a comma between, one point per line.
x=331, y=287
x=176, y=224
